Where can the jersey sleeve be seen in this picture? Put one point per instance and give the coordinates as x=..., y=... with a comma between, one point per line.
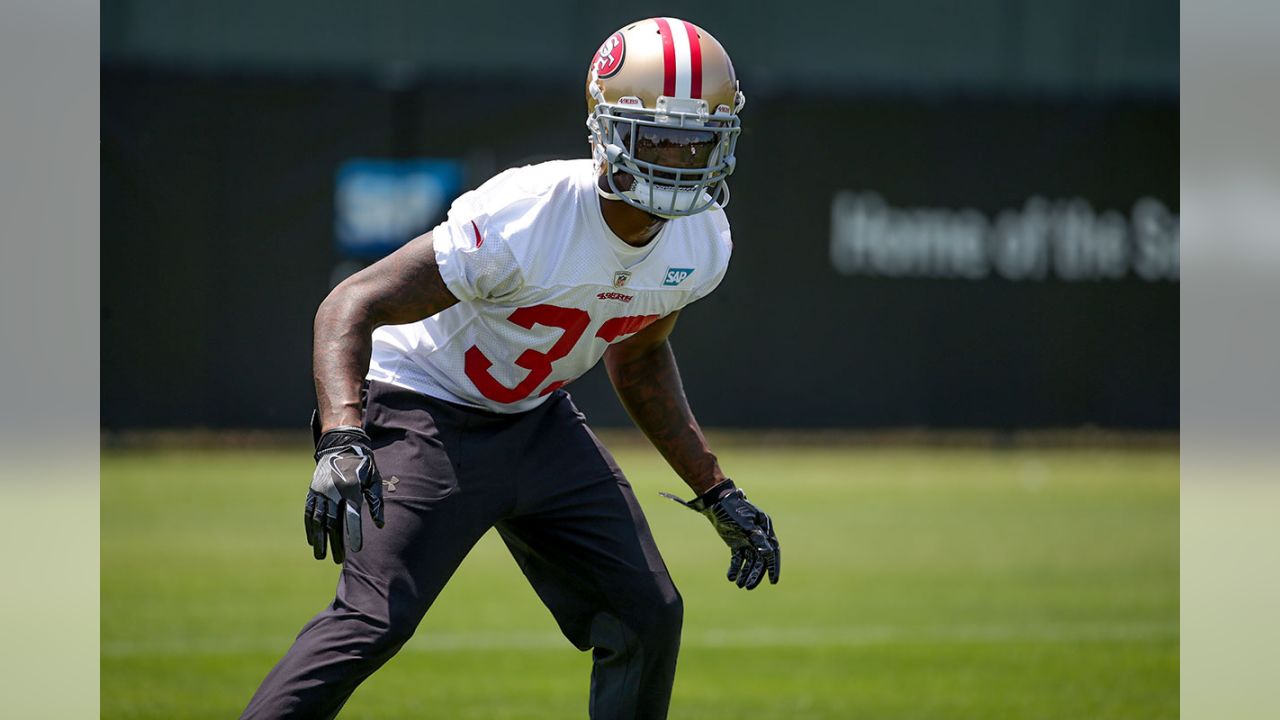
x=722, y=249
x=474, y=259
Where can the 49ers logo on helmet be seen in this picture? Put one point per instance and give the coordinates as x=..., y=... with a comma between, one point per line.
x=609, y=57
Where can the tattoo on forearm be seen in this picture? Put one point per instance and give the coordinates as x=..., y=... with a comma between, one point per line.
x=650, y=389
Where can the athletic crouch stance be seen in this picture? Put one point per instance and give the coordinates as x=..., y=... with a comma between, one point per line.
x=439, y=374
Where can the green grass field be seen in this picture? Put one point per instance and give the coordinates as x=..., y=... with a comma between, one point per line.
x=917, y=583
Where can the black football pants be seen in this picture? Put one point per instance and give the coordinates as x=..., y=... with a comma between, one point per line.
x=564, y=510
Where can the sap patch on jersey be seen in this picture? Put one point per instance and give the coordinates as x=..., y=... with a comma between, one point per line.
x=676, y=275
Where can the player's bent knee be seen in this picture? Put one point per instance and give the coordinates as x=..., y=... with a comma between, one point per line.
x=662, y=617
x=384, y=643
x=670, y=617
x=377, y=638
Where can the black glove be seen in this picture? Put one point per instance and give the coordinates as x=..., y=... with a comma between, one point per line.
x=345, y=475
x=745, y=529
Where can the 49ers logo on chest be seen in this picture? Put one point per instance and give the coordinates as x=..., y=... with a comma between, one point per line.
x=610, y=56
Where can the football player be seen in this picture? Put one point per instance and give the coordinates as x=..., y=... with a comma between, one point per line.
x=439, y=376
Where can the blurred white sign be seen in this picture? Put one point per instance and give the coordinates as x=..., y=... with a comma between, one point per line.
x=1066, y=239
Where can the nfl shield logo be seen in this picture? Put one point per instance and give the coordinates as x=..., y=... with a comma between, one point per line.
x=621, y=277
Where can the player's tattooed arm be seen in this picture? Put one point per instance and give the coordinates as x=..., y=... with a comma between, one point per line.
x=645, y=376
x=401, y=288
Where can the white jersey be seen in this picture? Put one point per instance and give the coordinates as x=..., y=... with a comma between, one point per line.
x=545, y=287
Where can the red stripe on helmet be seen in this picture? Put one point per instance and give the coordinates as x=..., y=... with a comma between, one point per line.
x=668, y=58
x=695, y=60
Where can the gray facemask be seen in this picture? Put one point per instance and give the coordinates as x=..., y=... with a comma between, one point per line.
x=670, y=161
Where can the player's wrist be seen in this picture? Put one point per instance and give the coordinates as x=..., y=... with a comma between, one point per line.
x=343, y=436
x=713, y=494
x=321, y=428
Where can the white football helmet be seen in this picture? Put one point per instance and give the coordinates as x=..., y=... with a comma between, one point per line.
x=662, y=108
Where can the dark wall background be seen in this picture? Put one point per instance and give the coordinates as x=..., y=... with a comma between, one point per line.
x=217, y=228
